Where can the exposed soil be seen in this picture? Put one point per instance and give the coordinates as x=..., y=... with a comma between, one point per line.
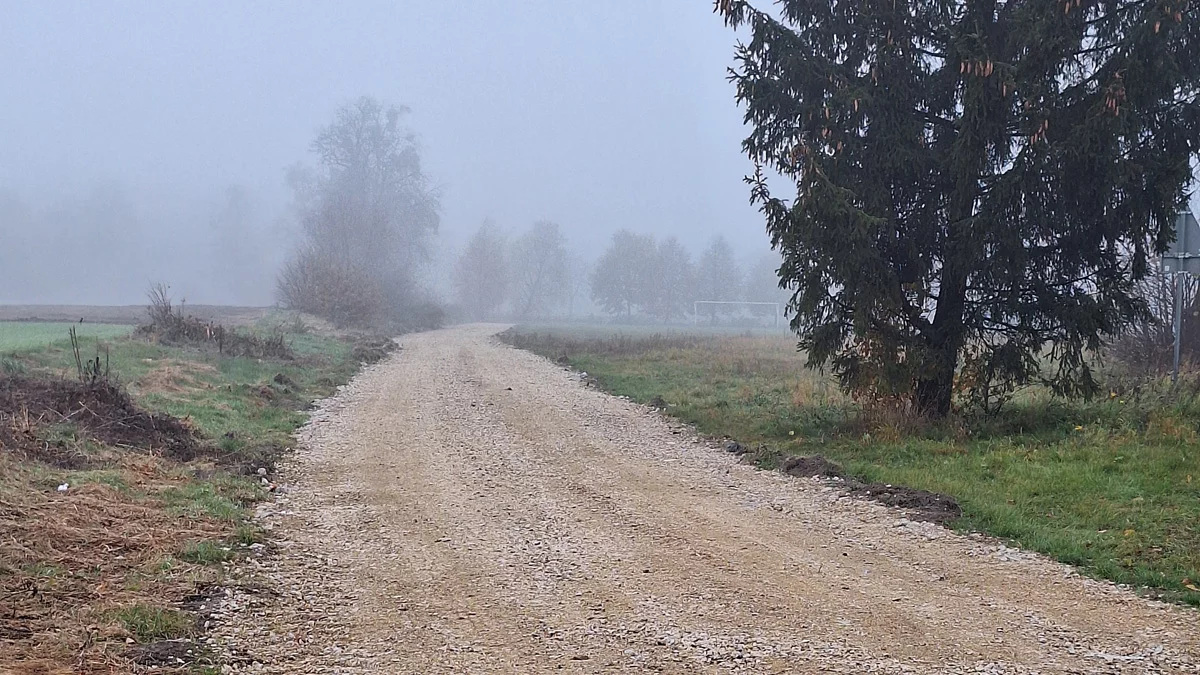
x=464, y=507
x=104, y=410
x=68, y=555
x=807, y=467
x=736, y=448
x=165, y=653
x=917, y=504
x=372, y=350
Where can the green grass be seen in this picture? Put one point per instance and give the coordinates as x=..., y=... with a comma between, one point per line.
x=147, y=623
x=19, y=335
x=205, y=553
x=246, y=408
x=248, y=534
x=42, y=570
x=222, y=497
x=1111, y=486
x=236, y=401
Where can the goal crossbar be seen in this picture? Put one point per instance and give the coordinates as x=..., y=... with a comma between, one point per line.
x=696, y=307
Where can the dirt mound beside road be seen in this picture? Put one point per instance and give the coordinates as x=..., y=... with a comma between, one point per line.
x=920, y=504
x=808, y=467
x=103, y=410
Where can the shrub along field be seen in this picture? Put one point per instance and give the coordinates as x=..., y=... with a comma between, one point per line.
x=123, y=492
x=1111, y=486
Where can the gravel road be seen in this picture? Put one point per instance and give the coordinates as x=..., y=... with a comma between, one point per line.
x=466, y=507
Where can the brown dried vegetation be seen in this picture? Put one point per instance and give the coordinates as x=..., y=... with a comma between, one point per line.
x=71, y=556
x=169, y=325
x=69, y=559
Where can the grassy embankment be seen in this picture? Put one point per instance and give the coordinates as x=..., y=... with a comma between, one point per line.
x=1112, y=486
x=104, y=570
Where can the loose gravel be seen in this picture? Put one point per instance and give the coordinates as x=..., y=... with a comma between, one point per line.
x=466, y=507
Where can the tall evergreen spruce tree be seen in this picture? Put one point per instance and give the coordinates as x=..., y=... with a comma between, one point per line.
x=978, y=183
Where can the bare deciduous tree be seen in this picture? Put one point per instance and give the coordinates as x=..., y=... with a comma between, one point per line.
x=762, y=284
x=237, y=249
x=718, y=276
x=367, y=215
x=481, y=273
x=579, y=273
x=1147, y=346
x=539, y=269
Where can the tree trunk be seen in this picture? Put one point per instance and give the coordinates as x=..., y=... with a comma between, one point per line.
x=935, y=386
x=935, y=390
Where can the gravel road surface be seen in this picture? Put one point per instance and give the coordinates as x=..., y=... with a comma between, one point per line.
x=466, y=507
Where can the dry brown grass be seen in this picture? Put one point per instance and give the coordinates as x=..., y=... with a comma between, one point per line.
x=157, y=499
x=67, y=559
x=172, y=378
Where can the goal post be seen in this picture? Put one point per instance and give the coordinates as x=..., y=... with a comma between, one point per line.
x=742, y=303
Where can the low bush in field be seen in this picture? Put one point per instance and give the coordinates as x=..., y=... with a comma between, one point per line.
x=169, y=325
x=317, y=284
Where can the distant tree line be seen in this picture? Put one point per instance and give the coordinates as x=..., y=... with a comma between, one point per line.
x=217, y=248
x=367, y=214
x=636, y=277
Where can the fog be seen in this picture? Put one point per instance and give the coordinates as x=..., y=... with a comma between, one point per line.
x=147, y=141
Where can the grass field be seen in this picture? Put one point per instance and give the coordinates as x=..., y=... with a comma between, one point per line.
x=1111, y=486
x=19, y=335
x=127, y=315
x=175, y=520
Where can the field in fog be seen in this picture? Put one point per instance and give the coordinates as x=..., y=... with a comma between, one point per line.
x=742, y=335
x=127, y=315
x=16, y=335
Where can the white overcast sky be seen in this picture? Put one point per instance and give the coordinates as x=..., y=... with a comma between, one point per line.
x=598, y=115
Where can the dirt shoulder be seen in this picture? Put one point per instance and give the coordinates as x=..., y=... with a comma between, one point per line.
x=468, y=507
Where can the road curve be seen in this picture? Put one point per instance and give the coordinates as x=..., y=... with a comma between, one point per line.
x=466, y=507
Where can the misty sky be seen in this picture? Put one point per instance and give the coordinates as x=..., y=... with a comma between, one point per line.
x=598, y=115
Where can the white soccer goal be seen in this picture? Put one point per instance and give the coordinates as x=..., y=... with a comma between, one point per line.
x=743, y=303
